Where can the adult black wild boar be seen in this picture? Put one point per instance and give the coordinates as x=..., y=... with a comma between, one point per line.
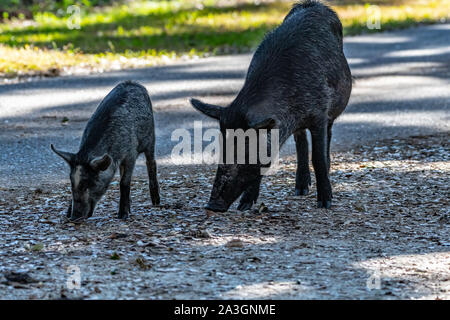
x=298, y=79
x=121, y=128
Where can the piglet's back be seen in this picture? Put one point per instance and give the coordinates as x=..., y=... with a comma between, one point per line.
x=124, y=111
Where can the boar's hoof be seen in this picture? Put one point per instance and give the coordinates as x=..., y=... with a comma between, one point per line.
x=156, y=201
x=216, y=207
x=302, y=191
x=77, y=220
x=123, y=215
x=324, y=204
x=243, y=206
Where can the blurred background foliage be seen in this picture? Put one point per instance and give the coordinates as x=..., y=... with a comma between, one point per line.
x=30, y=7
x=35, y=37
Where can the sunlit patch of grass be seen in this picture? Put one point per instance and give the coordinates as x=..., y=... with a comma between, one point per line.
x=34, y=61
x=354, y=17
x=145, y=33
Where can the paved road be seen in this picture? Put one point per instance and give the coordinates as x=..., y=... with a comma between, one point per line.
x=402, y=88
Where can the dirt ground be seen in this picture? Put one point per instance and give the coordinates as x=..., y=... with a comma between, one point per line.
x=386, y=237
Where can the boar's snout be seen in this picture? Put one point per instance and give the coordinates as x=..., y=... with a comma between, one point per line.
x=77, y=216
x=217, y=206
x=80, y=211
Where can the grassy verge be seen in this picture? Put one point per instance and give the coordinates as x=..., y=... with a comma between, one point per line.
x=144, y=33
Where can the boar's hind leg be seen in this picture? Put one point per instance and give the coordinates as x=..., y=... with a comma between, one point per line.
x=250, y=196
x=303, y=177
x=329, y=131
x=126, y=172
x=152, y=178
x=320, y=162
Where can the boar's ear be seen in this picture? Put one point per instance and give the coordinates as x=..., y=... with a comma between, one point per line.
x=268, y=124
x=101, y=163
x=208, y=109
x=67, y=156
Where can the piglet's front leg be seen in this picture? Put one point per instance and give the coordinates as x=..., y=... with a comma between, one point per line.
x=126, y=172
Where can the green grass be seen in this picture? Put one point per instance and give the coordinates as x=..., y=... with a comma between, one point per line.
x=144, y=33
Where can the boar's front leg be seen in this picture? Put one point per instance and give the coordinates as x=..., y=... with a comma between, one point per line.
x=302, y=177
x=152, y=178
x=320, y=162
x=126, y=172
x=250, y=195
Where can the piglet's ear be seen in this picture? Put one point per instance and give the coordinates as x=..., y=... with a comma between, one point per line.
x=101, y=163
x=67, y=156
x=210, y=110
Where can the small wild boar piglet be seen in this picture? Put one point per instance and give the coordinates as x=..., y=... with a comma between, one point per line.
x=121, y=128
x=298, y=79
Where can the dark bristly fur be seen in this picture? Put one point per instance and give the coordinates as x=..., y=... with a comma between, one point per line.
x=120, y=129
x=299, y=77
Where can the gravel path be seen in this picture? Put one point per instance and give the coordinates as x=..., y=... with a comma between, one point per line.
x=385, y=238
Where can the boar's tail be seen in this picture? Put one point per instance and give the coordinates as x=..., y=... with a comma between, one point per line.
x=307, y=4
x=334, y=21
x=303, y=5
